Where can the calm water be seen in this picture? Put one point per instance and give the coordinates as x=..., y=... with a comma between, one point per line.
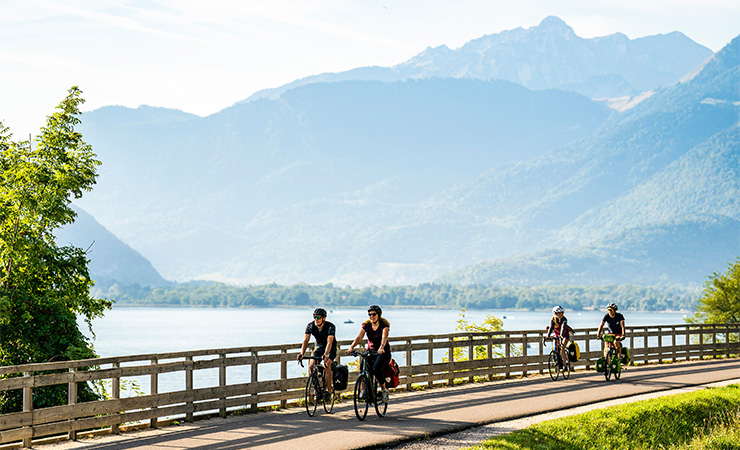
x=134, y=330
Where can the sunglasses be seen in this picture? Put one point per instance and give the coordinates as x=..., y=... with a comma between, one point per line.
x=318, y=317
x=372, y=314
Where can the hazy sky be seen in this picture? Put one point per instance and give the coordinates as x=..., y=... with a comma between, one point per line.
x=202, y=56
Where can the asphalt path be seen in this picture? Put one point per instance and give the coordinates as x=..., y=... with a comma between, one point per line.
x=416, y=415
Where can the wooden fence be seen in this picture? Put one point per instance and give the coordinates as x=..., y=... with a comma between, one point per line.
x=246, y=378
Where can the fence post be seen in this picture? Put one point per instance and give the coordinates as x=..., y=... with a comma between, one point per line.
x=409, y=364
x=28, y=405
x=451, y=364
x=115, y=394
x=701, y=343
x=489, y=355
x=189, y=363
x=587, y=348
x=284, y=374
x=507, y=352
x=471, y=355
x=647, y=347
x=255, y=375
x=673, y=343
x=430, y=357
x=72, y=400
x=222, y=382
x=154, y=390
x=525, y=344
x=541, y=345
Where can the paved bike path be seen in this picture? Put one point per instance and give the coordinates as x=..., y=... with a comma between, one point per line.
x=416, y=414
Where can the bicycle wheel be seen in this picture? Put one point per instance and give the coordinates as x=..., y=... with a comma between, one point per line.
x=618, y=372
x=362, y=397
x=380, y=405
x=552, y=365
x=566, y=370
x=328, y=404
x=312, y=395
x=607, y=365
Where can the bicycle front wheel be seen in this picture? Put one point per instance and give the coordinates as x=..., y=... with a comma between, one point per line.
x=552, y=365
x=312, y=395
x=608, y=366
x=566, y=370
x=329, y=404
x=380, y=405
x=362, y=397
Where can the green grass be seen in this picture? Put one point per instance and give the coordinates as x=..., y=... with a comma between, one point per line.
x=703, y=420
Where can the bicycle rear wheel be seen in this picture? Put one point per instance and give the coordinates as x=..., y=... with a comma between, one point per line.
x=362, y=397
x=312, y=395
x=552, y=365
x=380, y=405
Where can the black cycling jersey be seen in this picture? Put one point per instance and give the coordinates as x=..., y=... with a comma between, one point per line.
x=322, y=335
x=614, y=324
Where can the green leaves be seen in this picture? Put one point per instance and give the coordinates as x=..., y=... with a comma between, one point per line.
x=720, y=302
x=43, y=288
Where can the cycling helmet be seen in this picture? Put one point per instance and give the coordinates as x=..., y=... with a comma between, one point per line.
x=375, y=308
x=557, y=309
x=319, y=312
x=612, y=305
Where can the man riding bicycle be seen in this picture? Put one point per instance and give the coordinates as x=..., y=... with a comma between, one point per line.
x=559, y=327
x=325, y=334
x=614, y=322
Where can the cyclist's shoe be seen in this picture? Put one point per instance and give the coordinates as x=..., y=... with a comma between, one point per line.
x=384, y=395
x=362, y=394
x=327, y=396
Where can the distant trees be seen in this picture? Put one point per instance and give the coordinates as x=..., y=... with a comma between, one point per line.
x=720, y=302
x=43, y=287
x=425, y=295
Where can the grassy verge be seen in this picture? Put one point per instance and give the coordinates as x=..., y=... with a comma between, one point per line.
x=704, y=420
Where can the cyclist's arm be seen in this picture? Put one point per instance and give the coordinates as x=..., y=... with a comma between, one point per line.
x=304, y=344
x=624, y=330
x=598, y=332
x=384, y=340
x=329, y=343
x=356, y=341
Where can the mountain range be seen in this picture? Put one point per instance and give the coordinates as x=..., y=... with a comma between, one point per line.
x=449, y=168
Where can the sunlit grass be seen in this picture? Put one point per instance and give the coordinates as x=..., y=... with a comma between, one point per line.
x=704, y=420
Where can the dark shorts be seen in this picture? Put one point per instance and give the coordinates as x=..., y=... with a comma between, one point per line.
x=320, y=352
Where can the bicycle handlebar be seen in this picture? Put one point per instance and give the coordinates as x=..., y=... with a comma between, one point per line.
x=364, y=354
x=315, y=358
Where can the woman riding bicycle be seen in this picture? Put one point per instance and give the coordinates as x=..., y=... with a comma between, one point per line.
x=614, y=322
x=559, y=327
x=377, y=330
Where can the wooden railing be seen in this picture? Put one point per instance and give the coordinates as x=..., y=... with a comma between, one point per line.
x=214, y=381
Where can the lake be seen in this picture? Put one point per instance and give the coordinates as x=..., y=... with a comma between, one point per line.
x=138, y=330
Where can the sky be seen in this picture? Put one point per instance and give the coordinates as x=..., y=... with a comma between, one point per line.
x=203, y=56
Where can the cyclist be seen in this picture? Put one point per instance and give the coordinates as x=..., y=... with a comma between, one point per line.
x=377, y=329
x=614, y=322
x=325, y=334
x=559, y=327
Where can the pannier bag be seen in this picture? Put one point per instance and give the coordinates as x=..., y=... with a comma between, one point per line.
x=574, y=353
x=600, y=364
x=616, y=365
x=340, y=378
x=626, y=355
x=391, y=373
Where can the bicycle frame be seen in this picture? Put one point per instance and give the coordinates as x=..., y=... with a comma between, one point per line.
x=555, y=362
x=612, y=362
x=316, y=386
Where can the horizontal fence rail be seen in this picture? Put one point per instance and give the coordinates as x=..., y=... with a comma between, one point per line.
x=154, y=387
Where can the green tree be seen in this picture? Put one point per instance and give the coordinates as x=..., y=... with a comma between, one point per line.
x=44, y=287
x=720, y=300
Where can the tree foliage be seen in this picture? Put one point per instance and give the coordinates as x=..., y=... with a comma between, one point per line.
x=720, y=302
x=44, y=287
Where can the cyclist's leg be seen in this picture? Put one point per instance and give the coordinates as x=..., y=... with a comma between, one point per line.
x=328, y=366
x=381, y=361
x=564, y=348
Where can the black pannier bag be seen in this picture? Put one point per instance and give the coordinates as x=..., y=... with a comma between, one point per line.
x=341, y=377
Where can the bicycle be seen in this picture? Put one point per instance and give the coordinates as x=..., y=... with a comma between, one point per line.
x=315, y=388
x=612, y=358
x=367, y=389
x=555, y=363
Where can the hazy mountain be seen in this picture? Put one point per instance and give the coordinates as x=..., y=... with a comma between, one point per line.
x=548, y=56
x=111, y=260
x=192, y=194
x=399, y=182
x=667, y=183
